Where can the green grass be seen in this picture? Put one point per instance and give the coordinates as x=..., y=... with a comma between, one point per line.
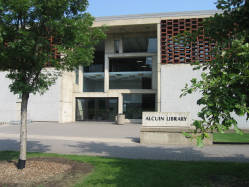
x=128, y=172
x=231, y=138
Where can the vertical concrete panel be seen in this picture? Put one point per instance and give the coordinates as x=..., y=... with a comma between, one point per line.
x=45, y=107
x=121, y=50
x=173, y=80
x=109, y=45
x=106, y=76
x=9, y=110
x=120, y=104
x=40, y=107
x=154, y=72
x=66, y=98
x=81, y=72
x=158, y=95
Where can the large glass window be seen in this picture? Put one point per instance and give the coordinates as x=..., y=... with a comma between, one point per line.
x=94, y=74
x=116, y=46
x=93, y=82
x=130, y=73
x=140, y=44
x=97, y=109
x=135, y=104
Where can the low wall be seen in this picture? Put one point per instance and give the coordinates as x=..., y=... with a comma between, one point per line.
x=169, y=136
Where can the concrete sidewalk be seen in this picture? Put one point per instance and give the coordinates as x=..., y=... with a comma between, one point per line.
x=107, y=139
x=77, y=129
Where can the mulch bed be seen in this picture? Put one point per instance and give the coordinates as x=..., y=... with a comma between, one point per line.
x=49, y=172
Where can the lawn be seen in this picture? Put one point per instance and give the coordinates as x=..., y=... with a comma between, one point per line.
x=129, y=172
x=231, y=138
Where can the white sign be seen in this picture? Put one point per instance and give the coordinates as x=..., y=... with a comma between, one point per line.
x=167, y=119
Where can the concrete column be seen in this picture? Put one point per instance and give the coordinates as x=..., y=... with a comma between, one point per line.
x=109, y=45
x=81, y=79
x=67, y=100
x=120, y=104
x=73, y=109
x=158, y=95
x=121, y=50
x=154, y=72
x=106, y=76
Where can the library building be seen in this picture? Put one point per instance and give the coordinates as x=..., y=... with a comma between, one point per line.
x=138, y=68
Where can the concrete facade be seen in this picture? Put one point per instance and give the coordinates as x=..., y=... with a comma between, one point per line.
x=9, y=105
x=59, y=103
x=174, y=78
x=44, y=107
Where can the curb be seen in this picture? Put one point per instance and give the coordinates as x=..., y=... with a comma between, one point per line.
x=66, y=138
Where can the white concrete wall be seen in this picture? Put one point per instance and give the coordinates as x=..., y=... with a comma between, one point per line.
x=8, y=101
x=242, y=122
x=45, y=107
x=67, y=101
x=40, y=107
x=173, y=80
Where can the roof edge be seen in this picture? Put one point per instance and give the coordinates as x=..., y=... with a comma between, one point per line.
x=158, y=15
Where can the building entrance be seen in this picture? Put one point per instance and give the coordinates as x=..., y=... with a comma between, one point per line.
x=96, y=109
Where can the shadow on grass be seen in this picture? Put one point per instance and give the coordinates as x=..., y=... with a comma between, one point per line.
x=139, y=172
x=169, y=173
x=130, y=172
x=134, y=172
x=8, y=155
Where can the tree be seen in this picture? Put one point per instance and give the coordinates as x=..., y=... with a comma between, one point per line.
x=39, y=39
x=224, y=83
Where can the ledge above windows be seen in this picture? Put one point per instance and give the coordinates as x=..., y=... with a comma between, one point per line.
x=123, y=55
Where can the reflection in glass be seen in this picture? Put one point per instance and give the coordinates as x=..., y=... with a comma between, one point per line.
x=96, y=109
x=116, y=46
x=140, y=44
x=98, y=61
x=93, y=82
x=93, y=77
x=130, y=73
x=135, y=104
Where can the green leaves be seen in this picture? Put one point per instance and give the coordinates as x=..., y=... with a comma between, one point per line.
x=225, y=83
x=33, y=34
x=197, y=124
x=199, y=141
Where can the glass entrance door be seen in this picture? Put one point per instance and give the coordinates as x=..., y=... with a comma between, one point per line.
x=96, y=109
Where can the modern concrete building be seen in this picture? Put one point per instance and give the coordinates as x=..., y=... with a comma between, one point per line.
x=139, y=67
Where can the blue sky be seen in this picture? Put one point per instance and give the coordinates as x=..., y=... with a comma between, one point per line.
x=122, y=7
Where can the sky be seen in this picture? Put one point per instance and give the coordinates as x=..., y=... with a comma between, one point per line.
x=123, y=7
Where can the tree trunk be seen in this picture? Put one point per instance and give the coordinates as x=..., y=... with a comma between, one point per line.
x=23, y=132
